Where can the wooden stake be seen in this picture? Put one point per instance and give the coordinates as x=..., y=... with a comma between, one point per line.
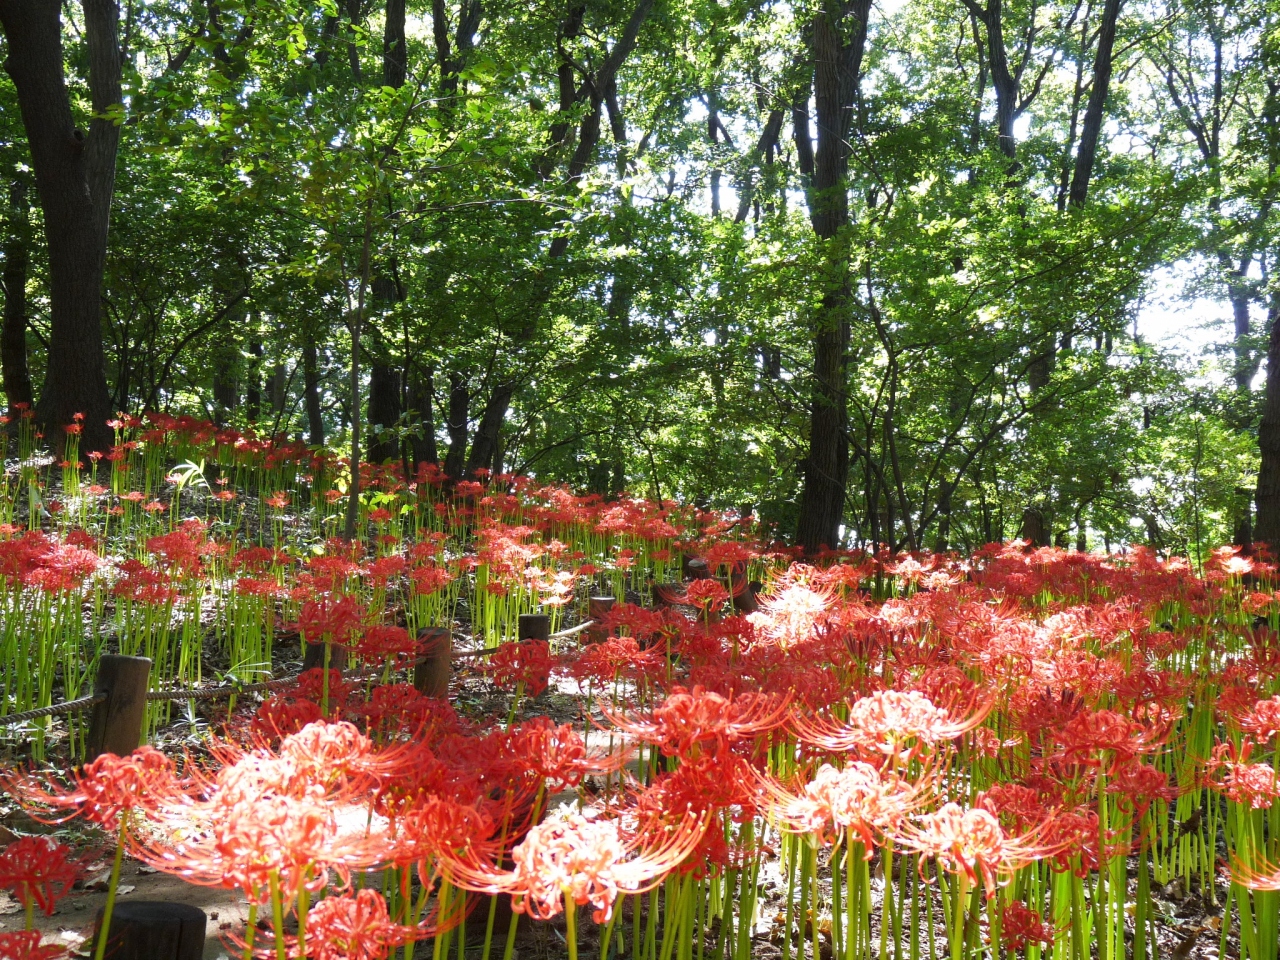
x=597, y=609
x=534, y=626
x=115, y=725
x=432, y=676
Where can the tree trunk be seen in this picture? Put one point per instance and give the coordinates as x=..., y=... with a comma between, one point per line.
x=13, y=339
x=1094, y=114
x=75, y=176
x=384, y=412
x=253, y=395
x=1266, y=528
x=485, y=444
x=837, y=45
x=424, y=445
x=459, y=404
x=311, y=389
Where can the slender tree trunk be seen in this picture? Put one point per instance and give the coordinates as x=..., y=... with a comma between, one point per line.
x=75, y=176
x=1267, y=521
x=13, y=338
x=1095, y=112
x=253, y=395
x=311, y=389
x=838, y=40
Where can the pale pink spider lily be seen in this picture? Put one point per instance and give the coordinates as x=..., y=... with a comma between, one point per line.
x=972, y=843
x=583, y=860
x=897, y=724
x=856, y=798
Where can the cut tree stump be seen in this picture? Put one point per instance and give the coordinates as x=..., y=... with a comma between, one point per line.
x=154, y=930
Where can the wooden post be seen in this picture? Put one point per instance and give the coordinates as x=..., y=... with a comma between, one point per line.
x=534, y=626
x=154, y=930
x=313, y=656
x=432, y=676
x=115, y=724
x=597, y=609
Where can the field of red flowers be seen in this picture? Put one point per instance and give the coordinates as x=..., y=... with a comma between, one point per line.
x=1019, y=753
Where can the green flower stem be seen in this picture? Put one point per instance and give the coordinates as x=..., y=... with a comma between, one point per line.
x=112, y=884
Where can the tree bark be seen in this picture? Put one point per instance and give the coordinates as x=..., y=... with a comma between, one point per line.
x=838, y=41
x=1095, y=112
x=311, y=388
x=75, y=176
x=485, y=444
x=13, y=339
x=1266, y=527
x=384, y=412
x=423, y=446
x=459, y=404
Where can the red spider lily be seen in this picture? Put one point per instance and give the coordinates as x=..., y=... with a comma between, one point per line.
x=639, y=623
x=280, y=716
x=333, y=618
x=106, y=787
x=894, y=723
x=1263, y=720
x=972, y=843
x=617, y=658
x=856, y=798
x=38, y=871
x=706, y=594
x=352, y=928
x=526, y=662
x=696, y=718
x=794, y=613
x=1139, y=785
x=385, y=642
x=242, y=838
x=429, y=579
x=587, y=861
x=559, y=755
x=1103, y=738
x=1020, y=927
x=331, y=759
x=26, y=946
x=1254, y=784
x=710, y=784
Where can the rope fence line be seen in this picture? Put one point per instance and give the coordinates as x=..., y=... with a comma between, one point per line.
x=70, y=706
x=234, y=690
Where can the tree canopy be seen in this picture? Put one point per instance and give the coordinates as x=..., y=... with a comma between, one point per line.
x=878, y=272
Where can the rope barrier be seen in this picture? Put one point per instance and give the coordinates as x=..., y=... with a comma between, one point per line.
x=235, y=690
x=573, y=631
x=70, y=706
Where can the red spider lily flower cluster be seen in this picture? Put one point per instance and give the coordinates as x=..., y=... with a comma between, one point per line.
x=982, y=713
x=26, y=946
x=38, y=871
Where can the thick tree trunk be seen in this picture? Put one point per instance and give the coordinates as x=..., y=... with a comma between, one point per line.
x=423, y=444
x=485, y=444
x=459, y=404
x=1266, y=527
x=837, y=45
x=311, y=390
x=13, y=338
x=384, y=412
x=75, y=176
